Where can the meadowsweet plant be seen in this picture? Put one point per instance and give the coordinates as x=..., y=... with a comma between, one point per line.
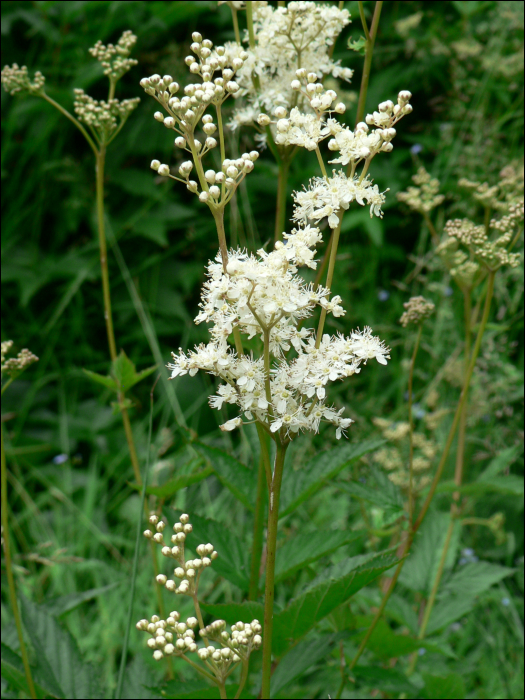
x=261, y=294
x=172, y=637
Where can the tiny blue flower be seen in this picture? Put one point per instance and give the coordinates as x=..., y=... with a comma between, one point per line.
x=467, y=552
x=421, y=651
x=448, y=291
x=416, y=148
x=505, y=601
x=60, y=459
x=383, y=295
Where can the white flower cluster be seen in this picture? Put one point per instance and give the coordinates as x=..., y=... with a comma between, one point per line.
x=363, y=144
x=327, y=197
x=115, y=59
x=236, y=646
x=299, y=34
x=264, y=296
x=188, y=571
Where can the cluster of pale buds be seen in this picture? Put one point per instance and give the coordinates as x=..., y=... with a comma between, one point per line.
x=389, y=113
x=320, y=100
x=169, y=637
x=237, y=645
x=187, y=571
x=231, y=174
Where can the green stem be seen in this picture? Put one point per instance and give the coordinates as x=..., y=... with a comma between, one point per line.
x=411, y=423
x=264, y=453
x=431, y=227
x=439, y=471
x=236, y=26
x=369, y=50
x=433, y=593
x=200, y=670
x=463, y=397
x=71, y=118
x=258, y=526
x=108, y=318
x=271, y=543
x=280, y=213
x=249, y=21
x=460, y=454
x=242, y=680
x=218, y=215
x=10, y=577
x=329, y=277
x=321, y=162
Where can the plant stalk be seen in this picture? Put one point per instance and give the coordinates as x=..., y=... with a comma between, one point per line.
x=329, y=276
x=258, y=526
x=411, y=423
x=271, y=543
x=11, y=578
x=280, y=213
x=369, y=50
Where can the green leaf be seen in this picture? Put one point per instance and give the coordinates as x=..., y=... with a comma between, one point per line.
x=192, y=691
x=386, y=644
x=108, y=382
x=402, y=611
x=504, y=460
x=458, y=593
x=359, y=45
x=302, y=550
x=420, y=569
x=451, y=686
x=475, y=578
x=234, y=475
x=235, y=612
x=57, y=654
x=179, y=482
x=510, y=485
x=65, y=603
x=233, y=560
x=125, y=373
x=388, y=680
x=382, y=493
x=13, y=672
x=300, y=659
x=360, y=219
x=318, y=601
x=299, y=485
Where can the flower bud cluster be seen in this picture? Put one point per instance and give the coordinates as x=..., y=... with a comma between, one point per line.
x=105, y=118
x=115, y=59
x=489, y=253
x=187, y=572
x=169, y=637
x=188, y=111
x=15, y=365
x=16, y=79
x=417, y=310
x=483, y=193
x=424, y=197
x=363, y=143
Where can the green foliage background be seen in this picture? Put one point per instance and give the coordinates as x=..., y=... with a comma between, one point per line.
x=70, y=473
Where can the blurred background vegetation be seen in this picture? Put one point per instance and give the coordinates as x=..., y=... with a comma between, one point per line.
x=69, y=467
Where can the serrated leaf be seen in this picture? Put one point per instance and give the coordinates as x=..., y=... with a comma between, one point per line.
x=509, y=484
x=123, y=370
x=503, y=460
x=386, y=644
x=305, y=549
x=420, y=569
x=300, y=659
x=444, y=687
x=140, y=681
x=318, y=601
x=144, y=373
x=373, y=495
x=235, y=476
x=388, y=680
x=402, y=611
x=235, y=612
x=179, y=482
x=13, y=672
x=475, y=577
x=459, y=593
x=65, y=603
x=233, y=560
x=108, y=382
x=299, y=485
x=57, y=654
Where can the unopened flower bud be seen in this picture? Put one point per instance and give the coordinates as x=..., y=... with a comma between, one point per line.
x=192, y=187
x=340, y=108
x=148, y=534
x=158, y=535
x=215, y=191
x=161, y=579
x=180, y=142
x=169, y=122
x=263, y=120
x=204, y=196
x=210, y=142
x=171, y=585
x=159, y=116
x=179, y=572
x=296, y=85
